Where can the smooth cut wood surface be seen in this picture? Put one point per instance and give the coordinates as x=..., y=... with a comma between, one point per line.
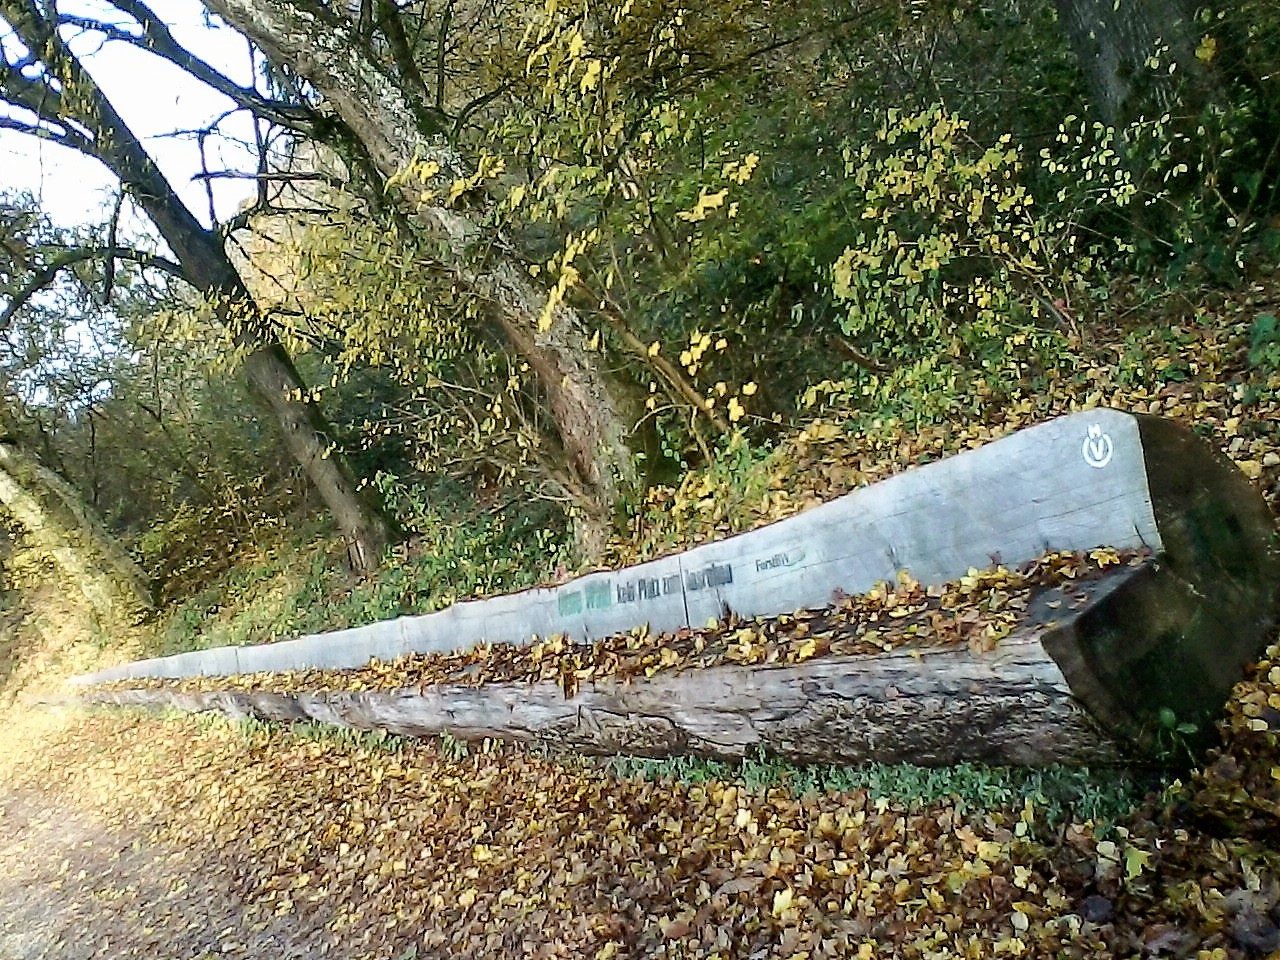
x=1074, y=483
x=1171, y=644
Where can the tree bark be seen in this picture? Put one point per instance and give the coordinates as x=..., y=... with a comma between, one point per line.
x=389, y=116
x=58, y=522
x=206, y=265
x=941, y=708
x=1072, y=684
x=276, y=382
x=937, y=705
x=1113, y=41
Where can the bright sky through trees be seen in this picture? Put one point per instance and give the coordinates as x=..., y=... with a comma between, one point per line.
x=162, y=104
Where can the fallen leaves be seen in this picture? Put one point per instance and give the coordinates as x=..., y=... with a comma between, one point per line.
x=502, y=854
x=423, y=851
x=380, y=850
x=978, y=610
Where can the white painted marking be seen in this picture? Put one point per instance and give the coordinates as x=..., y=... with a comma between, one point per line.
x=1098, y=449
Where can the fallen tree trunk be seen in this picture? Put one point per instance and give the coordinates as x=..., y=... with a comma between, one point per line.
x=937, y=521
x=1136, y=664
x=929, y=705
x=941, y=709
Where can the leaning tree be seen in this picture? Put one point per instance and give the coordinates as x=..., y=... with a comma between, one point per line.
x=374, y=85
x=52, y=96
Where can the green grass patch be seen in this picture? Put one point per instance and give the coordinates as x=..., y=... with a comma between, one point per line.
x=1059, y=794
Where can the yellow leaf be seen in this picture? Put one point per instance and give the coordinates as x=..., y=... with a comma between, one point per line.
x=591, y=76
x=1207, y=50
x=1135, y=861
x=458, y=188
x=990, y=851
x=706, y=203
x=1250, y=468
x=842, y=274
x=782, y=901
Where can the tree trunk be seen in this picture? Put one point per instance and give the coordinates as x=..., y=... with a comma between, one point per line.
x=931, y=707
x=271, y=374
x=276, y=383
x=1094, y=667
x=388, y=116
x=58, y=522
x=202, y=254
x=1115, y=39
x=1032, y=700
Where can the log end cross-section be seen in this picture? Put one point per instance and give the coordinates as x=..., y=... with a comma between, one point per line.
x=1155, y=660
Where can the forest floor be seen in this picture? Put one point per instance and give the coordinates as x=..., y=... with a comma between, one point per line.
x=131, y=835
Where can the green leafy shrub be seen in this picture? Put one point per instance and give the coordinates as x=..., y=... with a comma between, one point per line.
x=1264, y=343
x=950, y=256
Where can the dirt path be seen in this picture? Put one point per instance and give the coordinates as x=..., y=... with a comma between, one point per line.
x=73, y=887
x=82, y=873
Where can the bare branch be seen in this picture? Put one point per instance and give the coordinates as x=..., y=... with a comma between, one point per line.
x=43, y=98
x=262, y=151
x=109, y=31
x=65, y=137
x=478, y=103
x=156, y=38
x=446, y=22
x=109, y=275
x=47, y=274
x=843, y=345
x=273, y=177
x=393, y=29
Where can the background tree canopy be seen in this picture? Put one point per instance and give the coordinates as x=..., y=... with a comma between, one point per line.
x=516, y=268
